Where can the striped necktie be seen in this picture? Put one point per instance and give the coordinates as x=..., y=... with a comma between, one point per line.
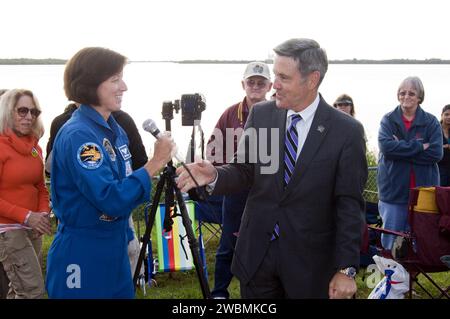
x=290, y=157
x=290, y=148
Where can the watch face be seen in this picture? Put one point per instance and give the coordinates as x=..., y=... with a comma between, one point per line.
x=349, y=272
x=352, y=271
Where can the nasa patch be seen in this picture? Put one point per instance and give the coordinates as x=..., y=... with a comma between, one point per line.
x=125, y=152
x=90, y=155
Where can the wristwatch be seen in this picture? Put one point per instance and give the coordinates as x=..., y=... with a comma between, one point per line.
x=349, y=272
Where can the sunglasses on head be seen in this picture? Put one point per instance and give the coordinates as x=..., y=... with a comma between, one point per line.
x=23, y=111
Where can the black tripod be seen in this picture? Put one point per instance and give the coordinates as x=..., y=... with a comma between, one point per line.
x=168, y=176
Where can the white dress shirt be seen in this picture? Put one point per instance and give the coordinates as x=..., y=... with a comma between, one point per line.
x=304, y=124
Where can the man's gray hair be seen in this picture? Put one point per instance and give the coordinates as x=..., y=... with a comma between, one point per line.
x=308, y=53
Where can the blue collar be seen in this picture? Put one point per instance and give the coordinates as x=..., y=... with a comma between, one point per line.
x=419, y=118
x=90, y=112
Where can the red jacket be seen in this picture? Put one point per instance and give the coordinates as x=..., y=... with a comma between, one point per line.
x=22, y=186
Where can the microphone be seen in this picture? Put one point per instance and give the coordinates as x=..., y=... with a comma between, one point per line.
x=150, y=126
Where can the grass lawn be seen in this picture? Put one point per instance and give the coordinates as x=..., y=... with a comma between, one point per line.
x=185, y=285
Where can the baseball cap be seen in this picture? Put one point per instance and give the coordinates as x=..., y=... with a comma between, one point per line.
x=257, y=69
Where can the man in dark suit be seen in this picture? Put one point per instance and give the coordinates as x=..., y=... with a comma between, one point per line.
x=301, y=229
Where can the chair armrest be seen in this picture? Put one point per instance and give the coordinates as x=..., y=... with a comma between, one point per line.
x=390, y=232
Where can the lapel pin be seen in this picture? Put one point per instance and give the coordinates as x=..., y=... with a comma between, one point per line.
x=320, y=128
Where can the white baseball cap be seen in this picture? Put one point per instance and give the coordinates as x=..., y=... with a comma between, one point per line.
x=257, y=69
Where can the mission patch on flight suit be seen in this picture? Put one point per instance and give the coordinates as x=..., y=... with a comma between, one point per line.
x=90, y=155
x=109, y=149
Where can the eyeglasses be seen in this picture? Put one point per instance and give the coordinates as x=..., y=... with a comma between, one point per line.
x=343, y=104
x=410, y=94
x=23, y=111
x=258, y=84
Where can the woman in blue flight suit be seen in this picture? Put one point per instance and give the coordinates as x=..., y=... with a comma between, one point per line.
x=94, y=188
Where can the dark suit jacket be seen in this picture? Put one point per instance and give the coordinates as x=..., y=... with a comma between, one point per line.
x=319, y=213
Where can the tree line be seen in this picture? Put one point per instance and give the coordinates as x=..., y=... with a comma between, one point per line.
x=27, y=61
x=32, y=61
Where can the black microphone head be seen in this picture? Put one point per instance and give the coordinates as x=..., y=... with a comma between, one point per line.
x=150, y=126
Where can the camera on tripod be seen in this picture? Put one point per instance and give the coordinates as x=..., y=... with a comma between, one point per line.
x=192, y=106
x=168, y=107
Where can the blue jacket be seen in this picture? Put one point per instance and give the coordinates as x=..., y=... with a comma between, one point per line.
x=94, y=190
x=398, y=156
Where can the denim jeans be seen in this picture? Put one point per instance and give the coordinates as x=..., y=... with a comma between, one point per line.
x=395, y=217
x=232, y=209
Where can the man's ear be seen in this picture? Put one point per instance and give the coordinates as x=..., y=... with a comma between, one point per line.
x=313, y=80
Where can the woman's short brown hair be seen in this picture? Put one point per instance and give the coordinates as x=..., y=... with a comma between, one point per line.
x=87, y=69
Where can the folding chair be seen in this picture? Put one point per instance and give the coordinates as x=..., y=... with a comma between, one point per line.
x=209, y=216
x=420, y=250
x=370, y=237
x=173, y=251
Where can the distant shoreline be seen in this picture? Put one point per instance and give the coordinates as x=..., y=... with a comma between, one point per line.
x=25, y=61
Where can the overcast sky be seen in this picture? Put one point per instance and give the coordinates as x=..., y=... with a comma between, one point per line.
x=225, y=29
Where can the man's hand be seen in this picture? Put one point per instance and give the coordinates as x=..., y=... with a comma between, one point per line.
x=341, y=287
x=204, y=173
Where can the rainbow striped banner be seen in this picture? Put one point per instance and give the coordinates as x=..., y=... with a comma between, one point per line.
x=174, y=253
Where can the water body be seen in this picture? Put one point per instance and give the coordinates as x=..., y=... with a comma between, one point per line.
x=373, y=88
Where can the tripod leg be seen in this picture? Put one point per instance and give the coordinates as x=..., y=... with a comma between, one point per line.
x=149, y=226
x=193, y=244
x=169, y=177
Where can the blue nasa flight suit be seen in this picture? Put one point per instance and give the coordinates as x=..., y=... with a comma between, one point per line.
x=93, y=192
